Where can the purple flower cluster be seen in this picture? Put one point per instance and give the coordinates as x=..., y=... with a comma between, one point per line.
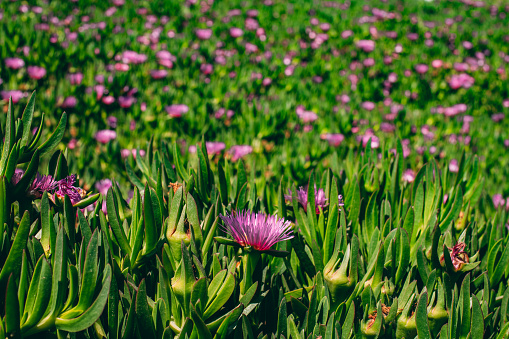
x=256, y=230
x=320, y=199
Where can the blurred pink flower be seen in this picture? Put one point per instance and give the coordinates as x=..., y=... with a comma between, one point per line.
x=75, y=78
x=366, y=45
x=36, y=72
x=69, y=102
x=239, y=151
x=15, y=94
x=334, y=139
x=236, y=32
x=177, y=110
x=203, y=34
x=454, y=166
x=105, y=136
x=126, y=102
x=158, y=73
x=14, y=63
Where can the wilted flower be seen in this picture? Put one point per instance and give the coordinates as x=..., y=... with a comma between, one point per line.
x=16, y=177
x=41, y=184
x=105, y=136
x=458, y=256
x=66, y=187
x=256, y=230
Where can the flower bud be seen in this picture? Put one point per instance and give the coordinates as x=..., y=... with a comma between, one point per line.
x=339, y=283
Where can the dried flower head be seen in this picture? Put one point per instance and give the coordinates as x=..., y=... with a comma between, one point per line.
x=256, y=230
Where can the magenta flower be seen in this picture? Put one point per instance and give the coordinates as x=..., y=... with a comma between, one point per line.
x=320, y=199
x=14, y=94
x=409, y=175
x=103, y=186
x=131, y=57
x=14, y=63
x=75, y=78
x=214, y=147
x=41, y=184
x=69, y=102
x=66, y=187
x=240, y=151
x=498, y=200
x=421, y=68
x=112, y=121
x=366, y=45
x=126, y=102
x=177, y=110
x=105, y=136
x=256, y=230
x=36, y=72
x=236, y=32
x=203, y=34
x=454, y=166
x=158, y=74
x=108, y=100
x=334, y=139
x=16, y=177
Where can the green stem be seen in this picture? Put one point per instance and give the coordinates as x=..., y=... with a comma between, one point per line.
x=249, y=261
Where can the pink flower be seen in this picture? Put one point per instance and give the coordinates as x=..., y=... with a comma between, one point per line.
x=103, y=186
x=236, y=32
x=240, y=151
x=108, y=100
x=368, y=105
x=206, y=69
x=334, y=139
x=158, y=74
x=437, y=63
x=69, y=102
x=105, y=136
x=131, y=57
x=203, y=34
x=498, y=200
x=214, y=147
x=421, y=68
x=14, y=63
x=256, y=230
x=409, y=175
x=14, y=94
x=177, y=110
x=36, y=72
x=126, y=102
x=366, y=45
x=454, y=166
x=121, y=67
x=75, y=78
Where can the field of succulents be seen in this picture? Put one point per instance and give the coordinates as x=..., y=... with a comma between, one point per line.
x=254, y=169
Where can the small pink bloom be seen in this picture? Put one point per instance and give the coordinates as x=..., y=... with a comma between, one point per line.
x=36, y=72
x=105, y=136
x=14, y=63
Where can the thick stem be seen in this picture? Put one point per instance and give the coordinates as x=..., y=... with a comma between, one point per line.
x=249, y=261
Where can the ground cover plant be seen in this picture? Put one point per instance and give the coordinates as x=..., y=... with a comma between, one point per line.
x=265, y=170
